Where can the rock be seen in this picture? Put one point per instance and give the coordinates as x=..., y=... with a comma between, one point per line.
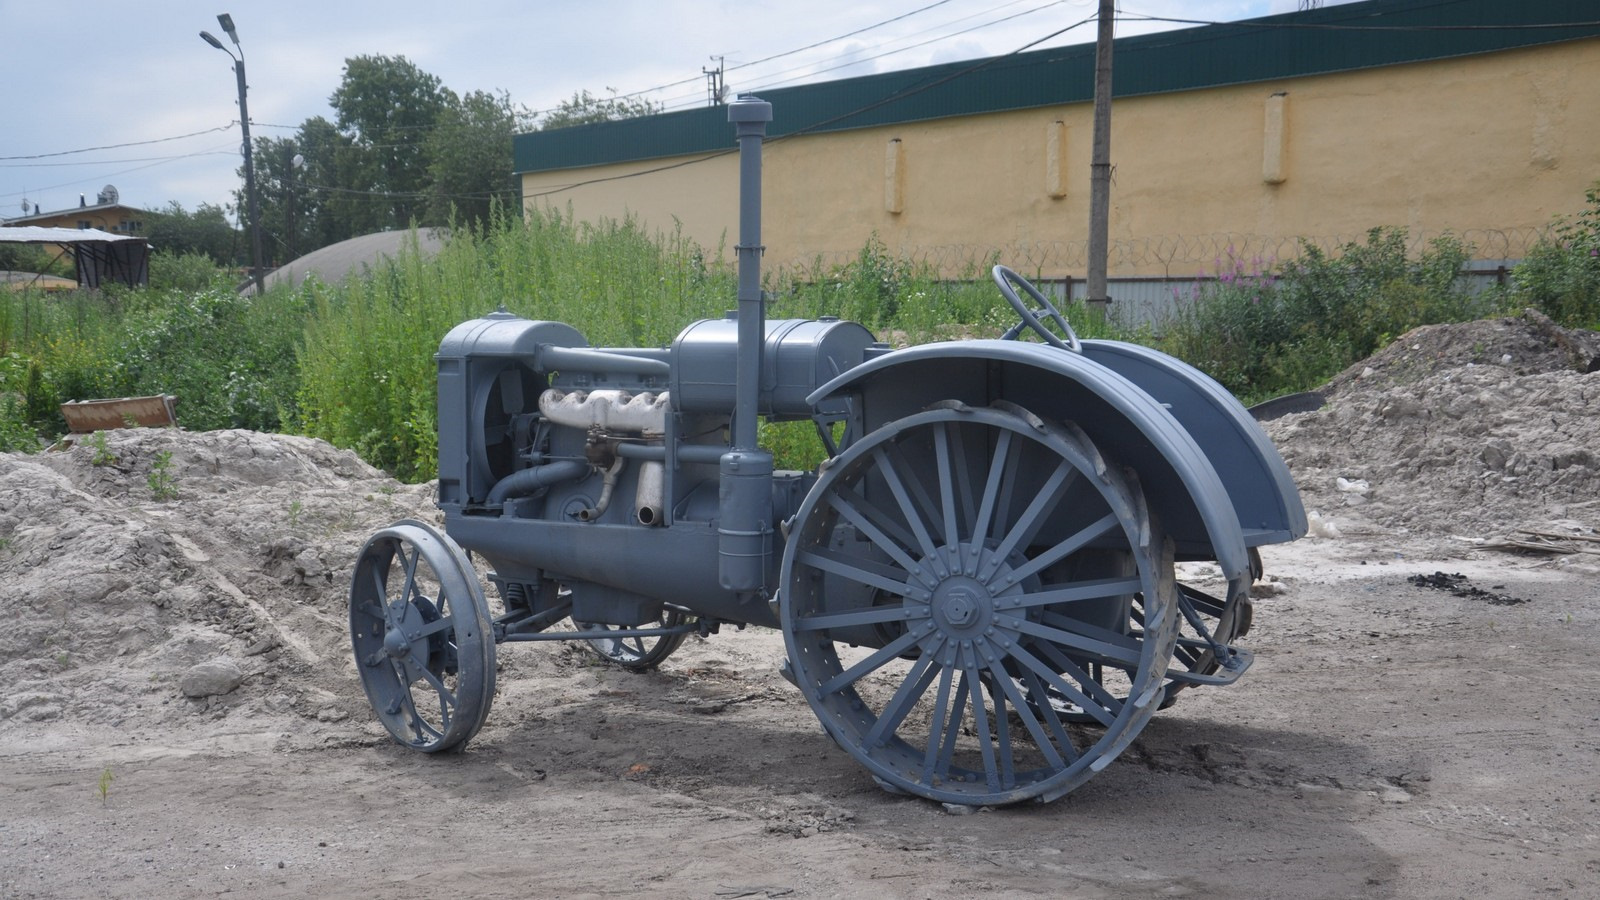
x=309, y=564
x=211, y=678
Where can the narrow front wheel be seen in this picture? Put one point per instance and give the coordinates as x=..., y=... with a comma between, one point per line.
x=421, y=633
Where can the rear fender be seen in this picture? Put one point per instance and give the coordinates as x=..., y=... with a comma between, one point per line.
x=1257, y=480
x=1179, y=481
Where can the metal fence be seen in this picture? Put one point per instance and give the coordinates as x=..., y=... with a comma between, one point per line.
x=1152, y=300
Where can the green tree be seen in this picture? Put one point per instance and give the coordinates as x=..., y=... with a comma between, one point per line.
x=387, y=107
x=585, y=109
x=470, y=158
x=205, y=231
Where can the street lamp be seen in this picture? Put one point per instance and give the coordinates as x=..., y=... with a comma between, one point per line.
x=226, y=21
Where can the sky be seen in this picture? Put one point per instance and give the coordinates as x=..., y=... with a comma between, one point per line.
x=128, y=94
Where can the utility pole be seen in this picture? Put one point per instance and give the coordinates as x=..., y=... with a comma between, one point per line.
x=1100, y=164
x=254, y=223
x=714, y=87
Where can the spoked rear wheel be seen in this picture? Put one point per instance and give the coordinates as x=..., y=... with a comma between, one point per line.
x=420, y=629
x=949, y=541
x=637, y=653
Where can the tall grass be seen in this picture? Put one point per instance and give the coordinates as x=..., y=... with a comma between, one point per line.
x=353, y=362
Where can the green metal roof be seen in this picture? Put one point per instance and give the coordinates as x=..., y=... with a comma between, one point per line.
x=1332, y=39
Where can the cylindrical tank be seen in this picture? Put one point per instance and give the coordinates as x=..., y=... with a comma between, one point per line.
x=800, y=356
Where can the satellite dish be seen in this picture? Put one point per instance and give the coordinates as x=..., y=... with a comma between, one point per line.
x=109, y=194
x=24, y=205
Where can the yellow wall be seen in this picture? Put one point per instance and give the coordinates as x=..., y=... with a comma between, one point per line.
x=1488, y=146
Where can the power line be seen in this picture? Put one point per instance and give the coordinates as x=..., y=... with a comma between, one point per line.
x=120, y=146
x=898, y=95
x=108, y=162
x=1330, y=26
x=210, y=151
x=933, y=40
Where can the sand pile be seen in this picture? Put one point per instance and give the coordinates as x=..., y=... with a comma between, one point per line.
x=124, y=610
x=1473, y=430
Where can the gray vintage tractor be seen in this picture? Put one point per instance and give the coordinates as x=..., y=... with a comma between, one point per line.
x=976, y=589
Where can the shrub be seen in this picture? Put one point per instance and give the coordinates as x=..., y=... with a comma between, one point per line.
x=191, y=272
x=1268, y=329
x=1561, y=274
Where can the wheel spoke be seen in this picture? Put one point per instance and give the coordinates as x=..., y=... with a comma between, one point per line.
x=446, y=695
x=1033, y=518
x=371, y=611
x=1118, y=649
x=952, y=728
x=1065, y=548
x=444, y=623
x=1002, y=730
x=861, y=571
x=997, y=674
x=910, y=691
x=421, y=729
x=381, y=592
x=1105, y=715
x=865, y=667
x=872, y=615
x=964, y=473
x=980, y=722
x=897, y=533
x=411, y=575
x=908, y=507
x=869, y=526
x=999, y=464
x=947, y=482
x=1041, y=700
x=1097, y=589
x=941, y=702
x=1096, y=693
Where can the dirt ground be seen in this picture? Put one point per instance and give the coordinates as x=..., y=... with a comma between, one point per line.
x=1393, y=739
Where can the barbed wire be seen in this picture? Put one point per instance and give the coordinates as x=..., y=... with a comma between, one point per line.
x=1185, y=256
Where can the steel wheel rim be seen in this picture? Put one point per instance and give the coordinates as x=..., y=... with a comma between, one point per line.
x=635, y=652
x=420, y=633
x=982, y=634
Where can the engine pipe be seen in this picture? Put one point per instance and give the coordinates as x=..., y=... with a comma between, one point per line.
x=750, y=116
x=525, y=481
x=583, y=359
x=744, y=529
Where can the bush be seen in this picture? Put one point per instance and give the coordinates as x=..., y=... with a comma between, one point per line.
x=228, y=358
x=1279, y=328
x=1561, y=274
x=191, y=272
x=16, y=435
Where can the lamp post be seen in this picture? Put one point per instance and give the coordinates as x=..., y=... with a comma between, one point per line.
x=226, y=21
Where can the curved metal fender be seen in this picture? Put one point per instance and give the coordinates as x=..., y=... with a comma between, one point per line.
x=1256, y=477
x=1179, y=481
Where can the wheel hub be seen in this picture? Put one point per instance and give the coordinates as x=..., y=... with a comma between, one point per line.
x=395, y=643
x=962, y=604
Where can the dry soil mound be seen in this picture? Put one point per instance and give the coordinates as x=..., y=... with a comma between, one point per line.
x=115, y=597
x=1475, y=430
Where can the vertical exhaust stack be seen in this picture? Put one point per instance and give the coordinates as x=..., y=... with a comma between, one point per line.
x=745, y=496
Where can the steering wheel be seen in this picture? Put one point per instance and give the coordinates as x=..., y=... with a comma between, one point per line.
x=1009, y=281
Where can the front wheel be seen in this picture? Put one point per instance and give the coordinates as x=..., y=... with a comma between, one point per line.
x=421, y=633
